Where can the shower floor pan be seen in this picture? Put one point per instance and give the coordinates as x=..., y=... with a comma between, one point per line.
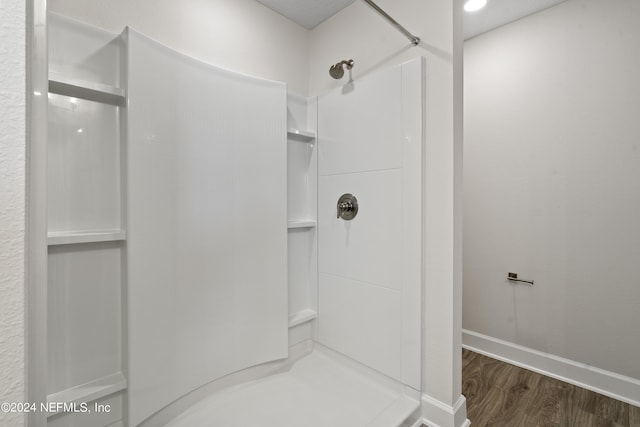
x=318, y=390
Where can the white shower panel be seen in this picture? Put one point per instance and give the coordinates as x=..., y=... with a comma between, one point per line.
x=84, y=314
x=372, y=317
x=83, y=165
x=301, y=269
x=361, y=125
x=82, y=52
x=370, y=145
x=300, y=158
x=369, y=247
x=207, y=224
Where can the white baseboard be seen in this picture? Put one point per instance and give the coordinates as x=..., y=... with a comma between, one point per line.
x=438, y=414
x=608, y=383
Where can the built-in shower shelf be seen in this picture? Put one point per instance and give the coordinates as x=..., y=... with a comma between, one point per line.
x=301, y=135
x=86, y=90
x=302, y=316
x=73, y=237
x=306, y=223
x=90, y=391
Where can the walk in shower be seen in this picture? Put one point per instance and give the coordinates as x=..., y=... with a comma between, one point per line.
x=224, y=252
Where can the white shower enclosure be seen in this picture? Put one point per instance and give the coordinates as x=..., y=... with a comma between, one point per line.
x=193, y=224
x=207, y=232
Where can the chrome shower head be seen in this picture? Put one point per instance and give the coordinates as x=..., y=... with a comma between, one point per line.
x=337, y=71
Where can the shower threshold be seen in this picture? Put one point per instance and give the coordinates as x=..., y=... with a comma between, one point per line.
x=320, y=389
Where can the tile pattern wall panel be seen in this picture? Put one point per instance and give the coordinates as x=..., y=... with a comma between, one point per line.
x=369, y=247
x=361, y=125
x=363, y=322
x=207, y=230
x=370, y=141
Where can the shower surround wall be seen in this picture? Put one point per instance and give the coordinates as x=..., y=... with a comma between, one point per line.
x=358, y=32
x=370, y=145
x=182, y=159
x=207, y=231
x=552, y=191
x=279, y=50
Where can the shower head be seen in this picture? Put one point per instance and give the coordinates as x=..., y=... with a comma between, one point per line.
x=337, y=71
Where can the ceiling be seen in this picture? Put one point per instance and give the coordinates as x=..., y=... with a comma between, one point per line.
x=309, y=13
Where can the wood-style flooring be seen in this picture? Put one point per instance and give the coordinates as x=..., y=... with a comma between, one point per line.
x=500, y=394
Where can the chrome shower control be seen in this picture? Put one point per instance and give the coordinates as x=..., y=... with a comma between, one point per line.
x=347, y=207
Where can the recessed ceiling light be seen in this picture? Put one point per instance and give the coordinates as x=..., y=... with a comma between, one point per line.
x=473, y=5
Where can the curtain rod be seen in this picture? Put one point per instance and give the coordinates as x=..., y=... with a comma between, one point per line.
x=414, y=39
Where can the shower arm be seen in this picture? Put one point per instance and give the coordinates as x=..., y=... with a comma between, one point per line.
x=413, y=39
x=348, y=63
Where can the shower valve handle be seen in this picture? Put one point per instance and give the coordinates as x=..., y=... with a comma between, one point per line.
x=347, y=207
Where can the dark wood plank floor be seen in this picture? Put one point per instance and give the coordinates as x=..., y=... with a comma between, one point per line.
x=500, y=394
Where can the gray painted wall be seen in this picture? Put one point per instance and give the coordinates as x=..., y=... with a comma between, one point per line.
x=552, y=183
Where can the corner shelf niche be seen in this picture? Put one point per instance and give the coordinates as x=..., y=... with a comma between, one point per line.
x=73, y=237
x=300, y=135
x=96, y=92
x=309, y=223
x=302, y=193
x=302, y=316
x=86, y=221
